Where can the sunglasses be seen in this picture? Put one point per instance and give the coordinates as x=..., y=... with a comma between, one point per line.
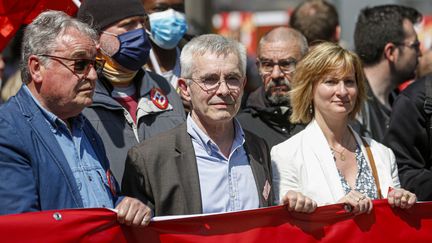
x=81, y=66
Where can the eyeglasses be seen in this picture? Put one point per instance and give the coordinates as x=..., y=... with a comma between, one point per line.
x=415, y=45
x=286, y=66
x=210, y=84
x=81, y=66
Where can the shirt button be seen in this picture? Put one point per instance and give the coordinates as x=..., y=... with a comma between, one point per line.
x=90, y=178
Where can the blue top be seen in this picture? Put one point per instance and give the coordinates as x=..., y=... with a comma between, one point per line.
x=365, y=182
x=34, y=171
x=227, y=184
x=80, y=156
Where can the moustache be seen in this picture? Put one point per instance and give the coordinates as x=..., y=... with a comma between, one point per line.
x=225, y=101
x=274, y=83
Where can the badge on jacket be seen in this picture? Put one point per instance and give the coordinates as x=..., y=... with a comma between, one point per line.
x=158, y=98
x=266, y=190
x=111, y=182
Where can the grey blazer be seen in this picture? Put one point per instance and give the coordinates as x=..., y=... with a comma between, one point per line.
x=162, y=172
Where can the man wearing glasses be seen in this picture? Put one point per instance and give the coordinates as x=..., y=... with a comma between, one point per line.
x=208, y=164
x=50, y=155
x=268, y=108
x=387, y=44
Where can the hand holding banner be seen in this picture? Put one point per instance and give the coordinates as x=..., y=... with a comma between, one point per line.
x=275, y=224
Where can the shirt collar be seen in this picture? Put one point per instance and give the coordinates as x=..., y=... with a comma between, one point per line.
x=201, y=138
x=196, y=133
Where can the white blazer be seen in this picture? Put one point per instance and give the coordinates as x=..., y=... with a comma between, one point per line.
x=305, y=163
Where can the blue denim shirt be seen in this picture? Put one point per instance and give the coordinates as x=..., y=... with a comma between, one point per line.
x=88, y=172
x=227, y=184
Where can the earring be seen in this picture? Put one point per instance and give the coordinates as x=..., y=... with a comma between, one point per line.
x=310, y=109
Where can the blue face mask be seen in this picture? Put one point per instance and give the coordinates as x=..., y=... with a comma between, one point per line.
x=134, y=49
x=167, y=28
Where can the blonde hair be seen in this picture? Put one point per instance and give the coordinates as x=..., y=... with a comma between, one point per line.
x=321, y=60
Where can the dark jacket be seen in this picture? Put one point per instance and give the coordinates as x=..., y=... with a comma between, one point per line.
x=268, y=122
x=163, y=173
x=34, y=173
x=375, y=118
x=115, y=125
x=408, y=137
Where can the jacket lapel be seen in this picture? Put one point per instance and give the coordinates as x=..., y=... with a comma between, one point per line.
x=45, y=136
x=188, y=170
x=260, y=179
x=320, y=151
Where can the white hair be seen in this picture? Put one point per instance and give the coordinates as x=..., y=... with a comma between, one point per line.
x=210, y=43
x=40, y=36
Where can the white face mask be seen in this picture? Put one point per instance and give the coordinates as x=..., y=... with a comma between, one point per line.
x=167, y=28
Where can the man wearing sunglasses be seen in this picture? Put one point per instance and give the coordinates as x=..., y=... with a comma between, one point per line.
x=50, y=155
x=387, y=44
x=130, y=104
x=268, y=108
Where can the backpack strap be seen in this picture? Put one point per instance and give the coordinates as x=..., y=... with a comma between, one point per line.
x=427, y=106
x=373, y=167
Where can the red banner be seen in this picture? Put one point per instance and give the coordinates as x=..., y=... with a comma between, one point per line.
x=14, y=13
x=274, y=224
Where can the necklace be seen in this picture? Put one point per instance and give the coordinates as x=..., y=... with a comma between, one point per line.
x=341, y=153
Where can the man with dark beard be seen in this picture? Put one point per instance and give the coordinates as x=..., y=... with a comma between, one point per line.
x=387, y=44
x=268, y=108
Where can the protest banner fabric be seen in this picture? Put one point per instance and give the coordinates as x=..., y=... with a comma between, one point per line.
x=275, y=224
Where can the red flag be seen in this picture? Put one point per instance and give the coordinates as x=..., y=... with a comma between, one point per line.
x=14, y=13
x=275, y=224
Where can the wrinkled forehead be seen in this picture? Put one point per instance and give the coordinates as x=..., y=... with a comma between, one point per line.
x=75, y=43
x=280, y=50
x=218, y=63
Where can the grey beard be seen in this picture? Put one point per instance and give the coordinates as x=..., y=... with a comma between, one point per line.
x=278, y=100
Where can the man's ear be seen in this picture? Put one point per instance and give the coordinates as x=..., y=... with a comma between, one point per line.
x=34, y=67
x=336, y=34
x=184, y=89
x=390, y=52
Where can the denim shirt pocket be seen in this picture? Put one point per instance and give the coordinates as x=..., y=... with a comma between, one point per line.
x=109, y=183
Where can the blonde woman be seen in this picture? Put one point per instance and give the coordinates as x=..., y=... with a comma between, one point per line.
x=329, y=162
